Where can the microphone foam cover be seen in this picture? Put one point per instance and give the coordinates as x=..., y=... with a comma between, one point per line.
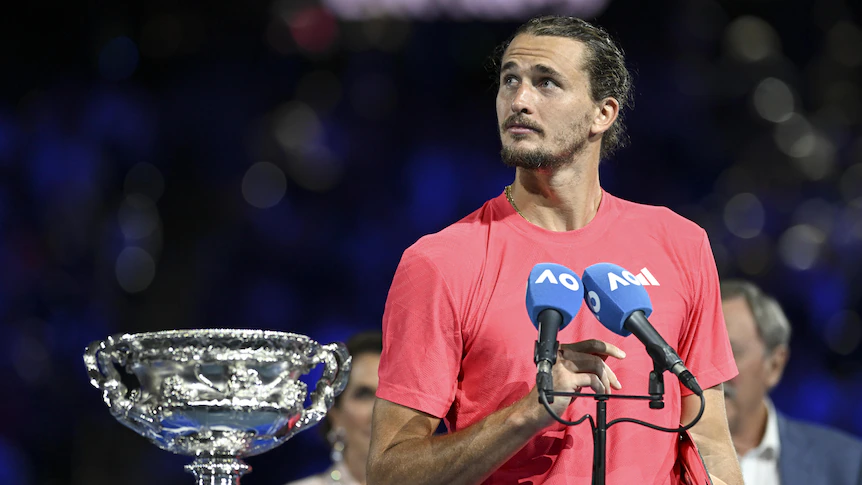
x=613, y=294
x=554, y=286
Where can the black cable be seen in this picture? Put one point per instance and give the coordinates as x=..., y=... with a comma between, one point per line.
x=544, y=399
x=660, y=428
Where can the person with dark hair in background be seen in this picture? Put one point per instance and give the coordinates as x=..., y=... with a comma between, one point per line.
x=458, y=344
x=347, y=426
x=773, y=448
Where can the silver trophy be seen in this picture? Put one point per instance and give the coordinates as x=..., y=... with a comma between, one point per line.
x=219, y=395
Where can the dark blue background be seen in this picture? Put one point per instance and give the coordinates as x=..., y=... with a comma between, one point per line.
x=384, y=131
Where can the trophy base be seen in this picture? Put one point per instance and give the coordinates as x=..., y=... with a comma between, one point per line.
x=217, y=471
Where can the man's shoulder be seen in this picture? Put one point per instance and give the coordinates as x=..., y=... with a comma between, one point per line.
x=466, y=231
x=658, y=220
x=658, y=216
x=818, y=438
x=460, y=242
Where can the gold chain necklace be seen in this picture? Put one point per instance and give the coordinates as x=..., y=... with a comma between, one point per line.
x=512, y=201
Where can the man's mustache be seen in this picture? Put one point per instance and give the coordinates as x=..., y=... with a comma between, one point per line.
x=518, y=120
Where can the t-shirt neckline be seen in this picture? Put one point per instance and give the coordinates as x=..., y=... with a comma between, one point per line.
x=604, y=217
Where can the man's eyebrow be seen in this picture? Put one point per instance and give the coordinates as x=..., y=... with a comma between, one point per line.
x=540, y=68
x=550, y=71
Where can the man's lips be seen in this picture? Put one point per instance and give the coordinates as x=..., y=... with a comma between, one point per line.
x=520, y=129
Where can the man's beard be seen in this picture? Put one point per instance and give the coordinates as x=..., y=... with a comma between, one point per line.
x=544, y=159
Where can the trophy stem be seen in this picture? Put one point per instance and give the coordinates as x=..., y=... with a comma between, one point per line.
x=217, y=471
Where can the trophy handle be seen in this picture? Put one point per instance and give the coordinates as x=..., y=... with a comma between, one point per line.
x=336, y=370
x=104, y=376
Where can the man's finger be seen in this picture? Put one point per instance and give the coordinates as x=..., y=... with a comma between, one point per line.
x=612, y=378
x=579, y=362
x=597, y=385
x=578, y=381
x=593, y=346
x=592, y=364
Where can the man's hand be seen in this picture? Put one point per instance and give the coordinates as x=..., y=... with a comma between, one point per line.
x=404, y=448
x=581, y=364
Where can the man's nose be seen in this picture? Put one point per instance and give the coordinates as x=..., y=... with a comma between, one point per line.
x=523, y=101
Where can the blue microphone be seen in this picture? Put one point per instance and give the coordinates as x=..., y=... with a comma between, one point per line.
x=554, y=295
x=620, y=302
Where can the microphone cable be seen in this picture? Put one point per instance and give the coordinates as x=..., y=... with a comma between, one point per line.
x=544, y=399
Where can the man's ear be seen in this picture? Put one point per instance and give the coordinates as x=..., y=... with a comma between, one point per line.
x=606, y=113
x=774, y=364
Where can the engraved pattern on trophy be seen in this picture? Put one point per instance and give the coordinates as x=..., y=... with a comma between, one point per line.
x=219, y=394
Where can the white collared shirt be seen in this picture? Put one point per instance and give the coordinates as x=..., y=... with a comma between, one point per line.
x=760, y=465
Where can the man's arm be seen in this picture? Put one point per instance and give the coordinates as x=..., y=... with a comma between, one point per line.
x=404, y=448
x=712, y=436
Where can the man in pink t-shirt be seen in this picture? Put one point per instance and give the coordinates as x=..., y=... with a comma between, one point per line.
x=458, y=343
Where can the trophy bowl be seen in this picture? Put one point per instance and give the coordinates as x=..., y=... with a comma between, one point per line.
x=217, y=394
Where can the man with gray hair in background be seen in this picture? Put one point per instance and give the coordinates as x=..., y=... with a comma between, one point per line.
x=774, y=449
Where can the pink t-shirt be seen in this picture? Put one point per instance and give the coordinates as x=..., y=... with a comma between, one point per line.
x=458, y=343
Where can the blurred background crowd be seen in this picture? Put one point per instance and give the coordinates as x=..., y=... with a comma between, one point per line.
x=263, y=164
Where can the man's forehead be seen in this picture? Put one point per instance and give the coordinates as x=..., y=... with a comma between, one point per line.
x=561, y=52
x=741, y=318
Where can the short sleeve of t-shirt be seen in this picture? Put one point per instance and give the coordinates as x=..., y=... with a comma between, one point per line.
x=704, y=346
x=422, y=343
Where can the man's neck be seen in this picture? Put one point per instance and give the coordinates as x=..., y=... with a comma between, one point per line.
x=751, y=431
x=559, y=200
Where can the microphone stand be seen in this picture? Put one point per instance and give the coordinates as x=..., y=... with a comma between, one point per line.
x=600, y=426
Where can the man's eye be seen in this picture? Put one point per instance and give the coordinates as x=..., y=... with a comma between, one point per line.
x=548, y=83
x=509, y=80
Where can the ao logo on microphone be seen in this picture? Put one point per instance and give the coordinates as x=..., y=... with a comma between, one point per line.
x=627, y=279
x=565, y=279
x=615, y=281
x=595, y=302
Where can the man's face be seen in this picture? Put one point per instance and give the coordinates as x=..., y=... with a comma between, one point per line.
x=544, y=108
x=744, y=393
